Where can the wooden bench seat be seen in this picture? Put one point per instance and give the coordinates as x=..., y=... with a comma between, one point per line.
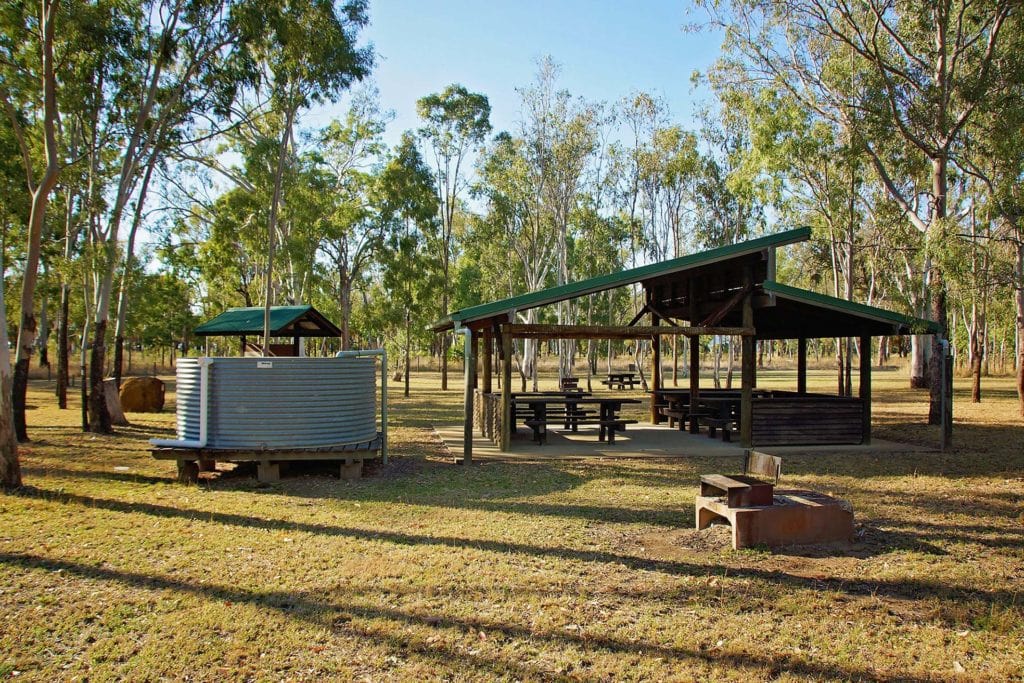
x=674, y=416
x=738, y=490
x=726, y=424
x=621, y=384
x=682, y=416
x=744, y=490
x=607, y=427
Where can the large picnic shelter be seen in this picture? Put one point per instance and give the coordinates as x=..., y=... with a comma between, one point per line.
x=727, y=291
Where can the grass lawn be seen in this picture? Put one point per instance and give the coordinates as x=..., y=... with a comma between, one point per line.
x=576, y=570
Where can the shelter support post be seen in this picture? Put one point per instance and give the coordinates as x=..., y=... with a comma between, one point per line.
x=694, y=382
x=801, y=365
x=656, y=372
x=488, y=362
x=747, y=380
x=694, y=359
x=506, y=388
x=467, y=428
x=865, y=388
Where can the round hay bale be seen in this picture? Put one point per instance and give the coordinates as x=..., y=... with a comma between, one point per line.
x=142, y=395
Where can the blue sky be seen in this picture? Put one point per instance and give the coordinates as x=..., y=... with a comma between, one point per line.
x=606, y=50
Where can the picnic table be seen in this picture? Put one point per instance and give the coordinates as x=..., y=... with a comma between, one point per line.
x=571, y=411
x=719, y=412
x=715, y=408
x=621, y=380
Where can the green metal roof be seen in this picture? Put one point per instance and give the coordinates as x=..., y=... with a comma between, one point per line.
x=304, y=321
x=910, y=323
x=601, y=283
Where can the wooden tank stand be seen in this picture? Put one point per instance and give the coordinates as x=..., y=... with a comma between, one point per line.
x=192, y=461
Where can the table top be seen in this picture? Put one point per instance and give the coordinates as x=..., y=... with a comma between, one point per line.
x=573, y=399
x=622, y=374
x=706, y=392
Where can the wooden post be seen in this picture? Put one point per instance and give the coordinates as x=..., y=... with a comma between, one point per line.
x=694, y=382
x=506, y=389
x=656, y=372
x=749, y=345
x=242, y=345
x=694, y=360
x=865, y=387
x=488, y=360
x=295, y=346
x=801, y=365
x=467, y=428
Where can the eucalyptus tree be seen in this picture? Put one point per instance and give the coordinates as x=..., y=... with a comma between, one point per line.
x=180, y=60
x=560, y=139
x=304, y=53
x=456, y=123
x=516, y=219
x=677, y=159
x=354, y=227
x=28, y=93
x=600, y=248
x=993, y=153
x=912, y=72
x=642, y=114
x=10, y=467
x=815, y=175
x=408, y=201
x=13, y=211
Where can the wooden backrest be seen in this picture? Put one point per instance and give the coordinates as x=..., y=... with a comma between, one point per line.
x=762, y=465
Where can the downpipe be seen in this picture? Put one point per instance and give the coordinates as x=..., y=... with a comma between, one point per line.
x=204, y=402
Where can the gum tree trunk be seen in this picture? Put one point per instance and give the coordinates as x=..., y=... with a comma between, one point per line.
x=1019, y=300
x=10, y=468
x=40, y=200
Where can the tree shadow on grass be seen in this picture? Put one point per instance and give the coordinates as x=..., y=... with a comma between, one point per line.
x=99, y=475
x=493, y=487
x=870, y=540
x=908, y=589
x=312, y=607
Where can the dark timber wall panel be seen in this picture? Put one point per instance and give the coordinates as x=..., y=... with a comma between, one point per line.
x=807, y=420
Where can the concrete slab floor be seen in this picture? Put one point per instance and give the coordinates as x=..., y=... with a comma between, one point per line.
x=638, y=441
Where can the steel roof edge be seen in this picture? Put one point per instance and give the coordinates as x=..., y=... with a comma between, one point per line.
x=916, y=325
x=441, y=324
x=573, y=290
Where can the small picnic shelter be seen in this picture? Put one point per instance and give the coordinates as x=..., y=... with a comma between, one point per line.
x=296, y=322
x=727, y=291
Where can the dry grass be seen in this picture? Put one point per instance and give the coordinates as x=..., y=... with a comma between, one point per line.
x=566, y=570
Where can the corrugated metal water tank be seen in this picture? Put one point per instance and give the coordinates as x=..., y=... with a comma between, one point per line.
x=266, y=403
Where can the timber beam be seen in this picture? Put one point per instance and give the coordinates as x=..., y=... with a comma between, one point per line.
x=723, y=310
x=658, y=315
x=610, y=332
